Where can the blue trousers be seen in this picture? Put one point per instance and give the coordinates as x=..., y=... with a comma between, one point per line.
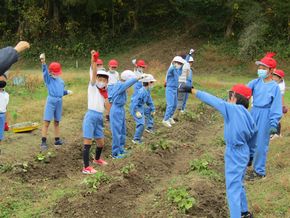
x=171, y=102
x=118, y=129
x=93, y=125
x=140, y=123
x=2, y=124
x=149, y=120
x=185, y=101
x=236, y=160
x=53, y=109
x=261, y=117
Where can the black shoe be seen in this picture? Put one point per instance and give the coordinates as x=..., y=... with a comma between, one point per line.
x=58, y=143
x=247, y=215
x=254, y=176
x=250, y=161
x=43, y=146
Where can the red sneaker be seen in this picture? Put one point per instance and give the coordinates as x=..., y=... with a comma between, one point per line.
x=100, y=162
x=89, y=170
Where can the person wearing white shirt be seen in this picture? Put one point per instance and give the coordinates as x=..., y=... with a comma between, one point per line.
x=278, y=76
x=93, y=120
x=4, y=100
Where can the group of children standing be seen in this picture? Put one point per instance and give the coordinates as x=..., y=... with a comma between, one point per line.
x=247, y=134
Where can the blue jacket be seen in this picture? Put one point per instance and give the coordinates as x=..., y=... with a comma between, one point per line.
x=138, y=85
x=55, y=86
x=239, y=126
x=267, y=95
x=142, y=98
x=118, y=94
x=8, y=56
x=172, y=77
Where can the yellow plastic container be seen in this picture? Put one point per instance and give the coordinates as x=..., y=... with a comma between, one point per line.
x=24, y=127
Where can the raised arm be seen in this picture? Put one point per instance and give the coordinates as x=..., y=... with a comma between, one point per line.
x=213, y=101
x=93, y=69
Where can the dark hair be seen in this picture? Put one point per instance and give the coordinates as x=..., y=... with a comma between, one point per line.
x=103, y=76
x=145, y=84
x=242, y=100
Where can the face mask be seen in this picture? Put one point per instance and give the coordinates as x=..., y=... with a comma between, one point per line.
x=262, y=73
x=2, y=84
x=140, y=70
x=101, y=85
x=112, y=71
x=177, y=66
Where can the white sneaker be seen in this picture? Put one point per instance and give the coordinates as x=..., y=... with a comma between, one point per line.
x=274, y=136
x=171, y=121
x=182, y=111
x=166, y=123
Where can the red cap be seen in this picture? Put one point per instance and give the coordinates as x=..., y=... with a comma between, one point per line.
x=279, y=73
x=96, y=56
x=99, y=61
x=268, y=60
x=113, y=63
x=242, y=90
x=55, y=68
x=140, y=63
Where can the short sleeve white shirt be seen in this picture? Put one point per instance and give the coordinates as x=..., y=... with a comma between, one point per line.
x=113, y=77
x=282, y=87
x=4, y=100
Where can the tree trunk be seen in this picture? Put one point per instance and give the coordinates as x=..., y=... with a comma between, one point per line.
x=135, y=17
x=113, y=20
x=229, y=30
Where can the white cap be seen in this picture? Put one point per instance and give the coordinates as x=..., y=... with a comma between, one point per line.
x=149, y=78
x=128, y=74
x=190, y=59
x=179, y=59
x=102, y=72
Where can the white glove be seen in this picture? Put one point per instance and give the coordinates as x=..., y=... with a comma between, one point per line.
x=134, y=61
x=191, y=51
x=42, y=58
x=153, y=113
x=138, y=114
x=69, y=92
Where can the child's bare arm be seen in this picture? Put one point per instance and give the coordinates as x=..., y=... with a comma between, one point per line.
x=93, y=78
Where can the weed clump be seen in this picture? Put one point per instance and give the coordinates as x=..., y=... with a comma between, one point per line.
x=94, y=181
x=181, y=198
x=126, y=170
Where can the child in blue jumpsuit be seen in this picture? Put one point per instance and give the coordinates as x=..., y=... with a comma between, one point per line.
x=266, y=111
x=118, y=96
x=149, y=112
x=173, y=73
x=53, y=108
x=137, y=108
x=240, y=135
